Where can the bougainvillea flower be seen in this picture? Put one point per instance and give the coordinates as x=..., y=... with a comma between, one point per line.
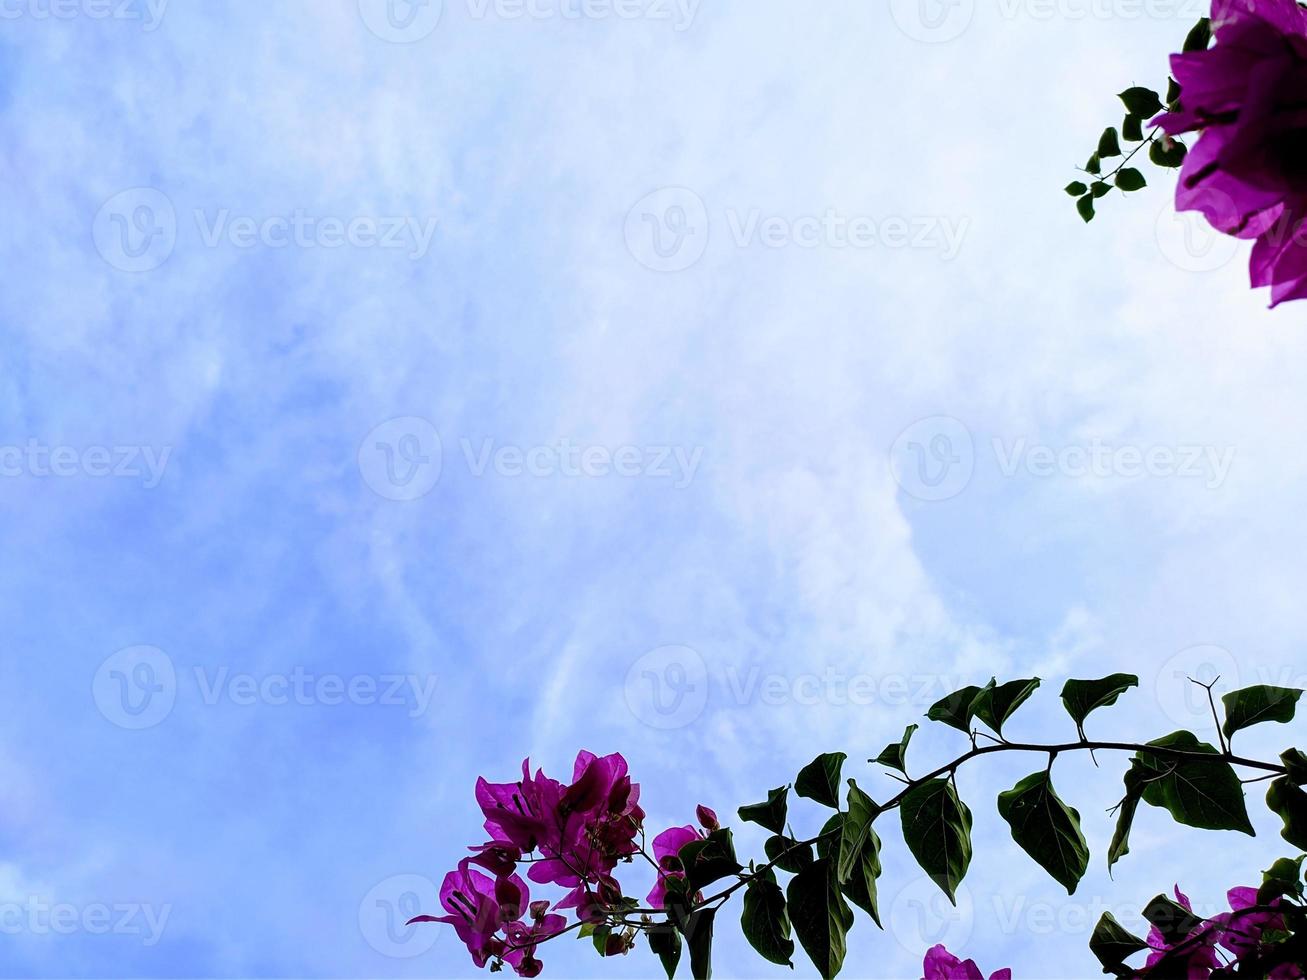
x=707, y=818
x=666, y=847
x=1240, y=929
x=940, y=964
x=1247, y=96
x=523, y=814
x=478, y=908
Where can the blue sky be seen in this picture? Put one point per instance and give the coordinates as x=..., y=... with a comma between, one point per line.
x=392, y=398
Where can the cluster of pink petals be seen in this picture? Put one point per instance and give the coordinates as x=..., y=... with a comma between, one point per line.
x=572, y=836
x=940, y=964
x=488, y=916
x=1247, y=96
x=1238, y=931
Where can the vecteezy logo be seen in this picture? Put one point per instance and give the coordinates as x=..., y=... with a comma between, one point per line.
x=667, y=231
x=1185, y=702
x=1189, y=241
x=136, y=229
x=667, y=688
x=932, y=21
x=136, y=688
x=385, y=912
x=401, y=459
x=401, y=21
x=934, y=459
x=921, y=916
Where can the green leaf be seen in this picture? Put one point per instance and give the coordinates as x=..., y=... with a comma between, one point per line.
x=821, y=917
x=1130, y=179
x=1167, y=152
x=995, y=705
x=895, y=756
x=1172, y=920
x=766, y=922
x=1196, y=792
x=1290, y=802
x=937, y=828
x=859, y=855
x=820, y=779
x=785, y=853
x=1132, y=129
x=665, y=942
x=828, y=845
x=1172, y=94
x=1094, y=165
x=1086, y=207
x=1100, y=188
x=1296, y=762
x=1141, y=101
x=1046, y=829
x=1284, y=877
x=1076, y=188
x=1254, y=705
x=1200, y=38
x=1134, y=792
x=709, y=859
x=771, y=814
x=698, y=931
x=956, y=710
x=1113, y=944
x=1083, y=697
x=1109, y=145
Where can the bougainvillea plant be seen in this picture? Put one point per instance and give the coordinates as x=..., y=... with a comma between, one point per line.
x=574, y=837
x=1239, y=89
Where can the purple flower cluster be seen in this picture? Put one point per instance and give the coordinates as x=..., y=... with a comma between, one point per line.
x=1247, y=96
x=1239, y=932
x=571, y=836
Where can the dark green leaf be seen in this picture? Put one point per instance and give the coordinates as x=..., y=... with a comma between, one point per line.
x=821, y=917
x=1282, y=878
x=896, y=756
x=1109, y=145
x=1254, y=705
x=937, y=828
x=1134, y=792
x=1167, y=152
x=1076, y=188
x=1296, y=762
x=709, y=859
x=698, y=931
x=1200, y=38
x=1172, y=94
x=1086, y=207
x=1100, y=188
x=1290, y=802
x=1046, y=829
x=820, y=779
x=1172, y=920
x=1112, y=943
x=770, y=814
x=956, y=710
x=1083, y=697
x=1141, y=101
x=1196, y=792
x=1132, y=129
x=828, y=846
x=859, y=855
x=1130, y=179
x=787, y=855
x=1094, y=165
x=995, y=705
x=665, y=942
x=765, y=921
